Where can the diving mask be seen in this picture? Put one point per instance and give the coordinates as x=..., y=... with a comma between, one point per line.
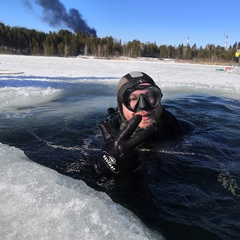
x=142, y=97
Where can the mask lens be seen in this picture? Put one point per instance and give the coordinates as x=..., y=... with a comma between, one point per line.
x=151, y=94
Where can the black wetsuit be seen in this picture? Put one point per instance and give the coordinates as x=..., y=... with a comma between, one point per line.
x=168, y=127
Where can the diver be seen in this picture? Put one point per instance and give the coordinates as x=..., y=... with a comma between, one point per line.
x=138, y=119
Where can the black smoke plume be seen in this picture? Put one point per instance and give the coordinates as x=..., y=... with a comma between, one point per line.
x=56, y=15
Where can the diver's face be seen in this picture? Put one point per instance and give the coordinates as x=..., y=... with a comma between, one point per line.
x=148, y=117
x=143, y=102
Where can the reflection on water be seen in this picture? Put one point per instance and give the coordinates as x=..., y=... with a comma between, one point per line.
x=188, y=188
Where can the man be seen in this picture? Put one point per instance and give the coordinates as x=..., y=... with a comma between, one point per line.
x=139, y=118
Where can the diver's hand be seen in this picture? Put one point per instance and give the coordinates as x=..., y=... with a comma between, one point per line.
x=121, y=154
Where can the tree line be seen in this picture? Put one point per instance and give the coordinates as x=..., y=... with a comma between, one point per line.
x=19, y=40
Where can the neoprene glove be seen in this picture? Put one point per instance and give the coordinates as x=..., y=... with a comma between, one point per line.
x=121, y=154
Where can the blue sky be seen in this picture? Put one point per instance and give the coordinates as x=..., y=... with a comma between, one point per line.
x=168, y=22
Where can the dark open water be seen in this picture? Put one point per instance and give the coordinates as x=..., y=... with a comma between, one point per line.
x=190, y=186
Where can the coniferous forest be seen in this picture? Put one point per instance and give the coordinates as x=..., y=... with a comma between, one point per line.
x=19, y=40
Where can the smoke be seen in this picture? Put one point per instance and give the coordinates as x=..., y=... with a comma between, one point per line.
x=56, y=15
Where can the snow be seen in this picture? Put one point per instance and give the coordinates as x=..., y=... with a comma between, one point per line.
x=169, y=75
